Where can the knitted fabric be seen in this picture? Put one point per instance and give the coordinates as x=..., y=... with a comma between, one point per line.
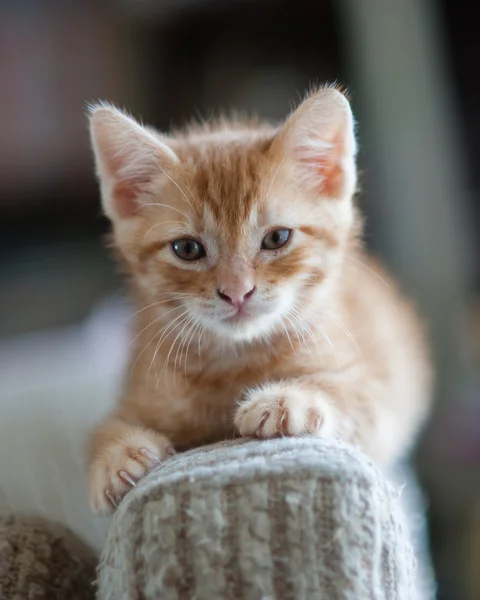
x=281, y=519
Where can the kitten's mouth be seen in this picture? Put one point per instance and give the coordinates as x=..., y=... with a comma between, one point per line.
x=239, y=317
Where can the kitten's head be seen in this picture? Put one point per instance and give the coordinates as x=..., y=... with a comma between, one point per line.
x=240, y=228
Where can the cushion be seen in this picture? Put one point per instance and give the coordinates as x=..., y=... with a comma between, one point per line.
x=286, y=518
x=42, y=561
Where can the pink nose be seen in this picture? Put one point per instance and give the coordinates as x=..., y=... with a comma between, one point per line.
x=236, y=296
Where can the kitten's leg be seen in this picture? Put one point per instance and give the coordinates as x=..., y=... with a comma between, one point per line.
x=363, y=411
x=367, y=412
x=350, y=406
x=121, y=454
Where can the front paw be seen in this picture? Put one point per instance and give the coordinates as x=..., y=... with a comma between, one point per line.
x=121, y=464
x=279, y=410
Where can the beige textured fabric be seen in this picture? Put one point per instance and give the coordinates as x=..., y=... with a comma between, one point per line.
x=42, y=561
x=284, y=519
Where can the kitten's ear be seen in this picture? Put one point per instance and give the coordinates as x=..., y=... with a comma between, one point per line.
x=128, y=159
x=318, y=140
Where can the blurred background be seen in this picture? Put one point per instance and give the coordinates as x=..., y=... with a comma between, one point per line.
x=410, y=68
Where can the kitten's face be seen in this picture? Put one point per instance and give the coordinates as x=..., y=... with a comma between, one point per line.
x=228, y=229
x=240, y=251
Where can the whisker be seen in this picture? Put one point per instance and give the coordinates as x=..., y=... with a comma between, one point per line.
x=186, y=345
x=177, y=297
x=181, y=345
x=335, y=317
x=200, y=348
x=298, y=333
x=196, y=327
x=164, y=205
x=297, y=181
x=305, y=321
x=189, y=190
x=268, y=344
x=148, y=344
x=166, y=361
x=274, y=176
x=285, y=273
x=303, y=324
x=178, y=187
x=161, y=223
x=346, y=331
x=329, y=341
x=165, y=333
x=288, y=335
x=154, y=321
x=311, y=320
x=369, y=269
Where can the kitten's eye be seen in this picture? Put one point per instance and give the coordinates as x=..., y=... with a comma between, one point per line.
x=188, y=249
x=276, y=239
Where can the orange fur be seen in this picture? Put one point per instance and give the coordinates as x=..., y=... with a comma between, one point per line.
x=325, y=344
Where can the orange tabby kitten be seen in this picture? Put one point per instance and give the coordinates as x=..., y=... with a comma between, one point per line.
x=258, y=312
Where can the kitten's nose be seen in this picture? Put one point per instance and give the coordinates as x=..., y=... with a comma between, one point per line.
x=236, y=295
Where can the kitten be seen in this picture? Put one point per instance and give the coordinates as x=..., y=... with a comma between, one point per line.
x=258, y=313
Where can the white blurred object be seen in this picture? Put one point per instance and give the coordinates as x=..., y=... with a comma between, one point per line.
x=54, y=386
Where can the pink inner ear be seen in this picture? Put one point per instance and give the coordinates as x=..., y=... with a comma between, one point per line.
x=325, y=167
x=129, y=160
x=125, y=195
x=131, y=181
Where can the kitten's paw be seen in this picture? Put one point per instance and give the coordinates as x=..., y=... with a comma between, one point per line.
x=121, y=465
x=279, y=410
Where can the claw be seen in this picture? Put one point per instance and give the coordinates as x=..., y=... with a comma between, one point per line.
x=150, y=455
x=259, y=431
x=316, y=420
x=284, y=423
x=127, y=478
x=111, y=498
